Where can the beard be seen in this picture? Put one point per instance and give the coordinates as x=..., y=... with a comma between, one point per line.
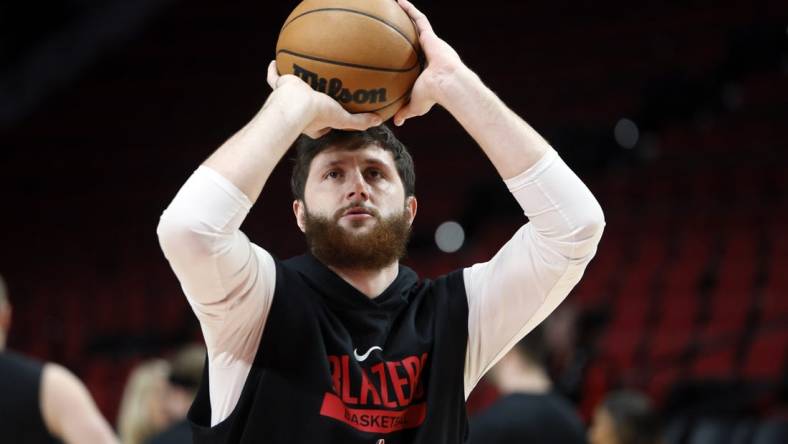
x=335, y=246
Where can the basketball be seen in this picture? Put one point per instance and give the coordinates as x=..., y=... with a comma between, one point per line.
x=363, y=53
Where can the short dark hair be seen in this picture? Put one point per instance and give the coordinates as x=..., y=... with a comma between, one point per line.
x=636, y=421
x=186, y=367
x=307, y=148
x=533, y=347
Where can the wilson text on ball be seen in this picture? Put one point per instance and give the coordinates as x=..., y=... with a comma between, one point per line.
x=333, y=87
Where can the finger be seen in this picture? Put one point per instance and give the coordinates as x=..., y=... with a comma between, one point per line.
x=273, y=74
x=318, y=134
x=402, y=115
x=360, y=121
x=411, y=110
x=418, y=17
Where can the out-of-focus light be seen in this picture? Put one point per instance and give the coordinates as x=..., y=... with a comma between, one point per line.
x=626, y=133
x=449, y=236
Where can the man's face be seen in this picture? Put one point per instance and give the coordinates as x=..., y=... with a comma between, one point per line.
x=354, y=210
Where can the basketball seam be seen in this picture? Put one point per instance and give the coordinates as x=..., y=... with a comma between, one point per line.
x=353, y=11
x=350, y=65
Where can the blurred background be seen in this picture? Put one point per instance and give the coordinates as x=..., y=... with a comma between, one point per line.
x=674, y=113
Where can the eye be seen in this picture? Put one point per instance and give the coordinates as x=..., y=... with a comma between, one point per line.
x=374, y=173
x=333, y=174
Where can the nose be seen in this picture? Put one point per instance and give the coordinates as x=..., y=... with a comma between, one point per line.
x=359, y=188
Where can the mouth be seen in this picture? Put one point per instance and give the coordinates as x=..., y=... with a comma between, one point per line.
x=356, y=213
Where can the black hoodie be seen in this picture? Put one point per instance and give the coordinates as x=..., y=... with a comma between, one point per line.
x=335, y=366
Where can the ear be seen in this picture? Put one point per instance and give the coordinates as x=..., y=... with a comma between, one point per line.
x=411, y=205
x=5, y=317
x=299, y=211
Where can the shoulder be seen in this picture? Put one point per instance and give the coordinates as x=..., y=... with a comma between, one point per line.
x=21, y=381
x=15, y=361
x=450, y=284
x=61, y=393
x=59, y=384
x=449, y=289
x=21, y=378
x=489, y=425
x=446, y=299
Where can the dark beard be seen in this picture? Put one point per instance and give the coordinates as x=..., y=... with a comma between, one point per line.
x=385, y=243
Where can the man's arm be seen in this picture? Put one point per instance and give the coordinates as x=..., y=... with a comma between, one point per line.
x=532, y=273
x=510, y=143
x=68, y=410
x=200, y=233
x=248, y=157
x=228, y=281
x=527, y=279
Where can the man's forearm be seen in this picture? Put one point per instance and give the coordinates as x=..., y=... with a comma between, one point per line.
x=510, y=143
x=248, y=157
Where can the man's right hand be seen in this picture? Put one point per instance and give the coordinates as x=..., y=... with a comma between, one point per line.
x=248, y=157
x=323, y=113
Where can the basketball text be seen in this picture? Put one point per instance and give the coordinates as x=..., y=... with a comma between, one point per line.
x=382, y=398
x=333, y=87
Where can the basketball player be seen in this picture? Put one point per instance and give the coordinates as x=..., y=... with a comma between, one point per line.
x=344, y=344
x=529, y=409
x=44, y=403
x=626, y=417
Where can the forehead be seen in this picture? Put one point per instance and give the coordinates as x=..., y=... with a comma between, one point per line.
x=368, y=154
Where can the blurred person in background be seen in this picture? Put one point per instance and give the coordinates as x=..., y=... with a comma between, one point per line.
x=570, y=336
x=186, y=369
x=44, y=402
x=529, y=410
x=625, y=417
x=143, y=411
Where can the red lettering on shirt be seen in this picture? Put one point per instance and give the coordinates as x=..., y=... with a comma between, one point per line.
x=394, y=388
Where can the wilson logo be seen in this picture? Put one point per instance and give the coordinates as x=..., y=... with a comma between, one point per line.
x=333, y=87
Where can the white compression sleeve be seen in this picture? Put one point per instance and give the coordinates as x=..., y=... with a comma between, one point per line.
x=534, y=271
x=228, y=281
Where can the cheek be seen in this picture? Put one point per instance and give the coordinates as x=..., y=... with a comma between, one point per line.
x=392, y=197
x=320, y=206
x=325, y=190
x=393, y=188
x=318, y=198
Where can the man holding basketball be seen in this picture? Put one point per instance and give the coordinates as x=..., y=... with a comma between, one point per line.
x=344, y=344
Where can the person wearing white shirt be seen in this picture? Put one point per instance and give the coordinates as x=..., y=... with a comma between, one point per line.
x=344, y=344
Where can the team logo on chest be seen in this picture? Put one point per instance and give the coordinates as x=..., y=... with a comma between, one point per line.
x=362, y=358
x=379, y=398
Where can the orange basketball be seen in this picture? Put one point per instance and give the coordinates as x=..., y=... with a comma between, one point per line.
x=363, y=53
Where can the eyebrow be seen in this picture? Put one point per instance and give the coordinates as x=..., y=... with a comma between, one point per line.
x=367, y=161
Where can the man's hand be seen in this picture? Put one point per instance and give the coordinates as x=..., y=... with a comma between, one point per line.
x=443, y=63
x=322, y=113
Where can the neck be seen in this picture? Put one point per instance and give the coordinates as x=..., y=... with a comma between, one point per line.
x=370, y=282
x=536, y=382
x=515, y=376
